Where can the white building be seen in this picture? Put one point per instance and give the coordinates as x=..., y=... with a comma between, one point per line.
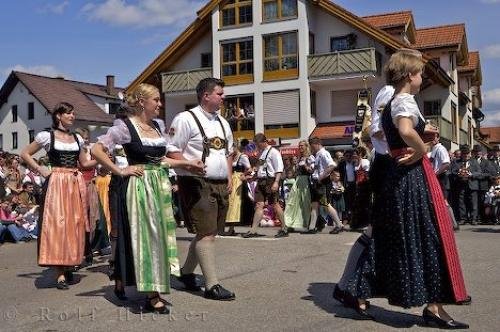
x=293, y=68
x=26, y=101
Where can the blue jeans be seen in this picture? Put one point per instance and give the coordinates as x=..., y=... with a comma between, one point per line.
x=18, y=233
x=3, y=231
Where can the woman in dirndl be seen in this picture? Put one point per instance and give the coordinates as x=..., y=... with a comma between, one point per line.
x=63, y=218
x=415, y=254
x=146, y=252
x=298, y=205
x=241, y=167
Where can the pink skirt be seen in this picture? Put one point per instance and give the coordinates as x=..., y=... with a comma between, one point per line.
x=64, y=219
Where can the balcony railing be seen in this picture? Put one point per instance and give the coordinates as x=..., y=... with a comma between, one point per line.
x=357, y=61
x=445, y=126
x=184, y=81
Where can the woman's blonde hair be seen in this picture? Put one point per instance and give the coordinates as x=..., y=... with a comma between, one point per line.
x=308, y=148
x=401, y=64
x=142, y=91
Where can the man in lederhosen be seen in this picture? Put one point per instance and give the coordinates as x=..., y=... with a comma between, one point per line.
x=201, y=133
x=268, y=180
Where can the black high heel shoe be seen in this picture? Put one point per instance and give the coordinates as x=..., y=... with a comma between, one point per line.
x=432, y=320
x=340, y=295
x=353, y=303
x=149, y=307
x=120, y=294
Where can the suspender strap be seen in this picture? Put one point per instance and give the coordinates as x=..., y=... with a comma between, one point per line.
x=265, y=161
x=223, y=132
x=206, y=143
x=206, y=147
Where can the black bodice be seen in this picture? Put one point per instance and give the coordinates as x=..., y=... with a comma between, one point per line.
x=137, y=153
x=238, y=167
x=391, y=132
x=59, y=158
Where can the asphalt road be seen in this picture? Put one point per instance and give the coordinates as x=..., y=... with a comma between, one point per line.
x=280, y=285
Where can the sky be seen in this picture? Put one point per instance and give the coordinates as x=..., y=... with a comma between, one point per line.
x=87, y=40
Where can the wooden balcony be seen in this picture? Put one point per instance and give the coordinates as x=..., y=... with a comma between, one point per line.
x=183, y=81
x=329, y=65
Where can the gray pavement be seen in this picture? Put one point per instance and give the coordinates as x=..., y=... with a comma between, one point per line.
x=280, y=284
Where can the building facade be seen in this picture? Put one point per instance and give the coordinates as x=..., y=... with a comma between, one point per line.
x=291, y=67
x=26, y=101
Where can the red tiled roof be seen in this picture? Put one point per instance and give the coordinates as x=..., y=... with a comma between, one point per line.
x=51, y=91
x=493, y=134
x=440, y=36
x=389, y=20
x=473, y=62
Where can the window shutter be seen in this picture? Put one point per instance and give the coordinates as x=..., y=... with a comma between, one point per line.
x=281, y=107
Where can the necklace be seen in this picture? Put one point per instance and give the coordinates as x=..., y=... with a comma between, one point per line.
x=148, y=129
x=63, y=130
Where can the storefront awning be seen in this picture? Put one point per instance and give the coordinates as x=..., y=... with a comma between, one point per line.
x=334, y=133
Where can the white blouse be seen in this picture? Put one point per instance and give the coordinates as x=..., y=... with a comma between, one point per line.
x=404, y=105
x=43, y=139
x=119, y=134
x=242, y=160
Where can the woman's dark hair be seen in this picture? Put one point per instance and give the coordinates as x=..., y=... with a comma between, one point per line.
x=60, y=108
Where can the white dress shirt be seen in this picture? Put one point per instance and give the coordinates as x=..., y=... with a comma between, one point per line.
x=272, y=163
x=185, y=137
x=383, y=97
x=323, y=159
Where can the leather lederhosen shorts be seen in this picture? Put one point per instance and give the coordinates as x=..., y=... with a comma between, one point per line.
x=204, y=203
x=263, y=191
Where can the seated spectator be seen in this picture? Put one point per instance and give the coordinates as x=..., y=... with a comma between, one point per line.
x=13, y=176
x=27, y=197
x=34, y=177
x=14, y=222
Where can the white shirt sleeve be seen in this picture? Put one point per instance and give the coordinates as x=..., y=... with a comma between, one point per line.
x=383, y=97
x=365, y=164
x=279, y=161
x=443, y=155
x=244, y=161
x=117, y=134
x=43, y=139
x=179, y=133
x=328, y=159
x=404, y=105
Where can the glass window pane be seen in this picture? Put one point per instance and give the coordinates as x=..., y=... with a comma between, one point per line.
x=228, y=17
x=289, y=63
x=339, y=44
x=271, y=65
x=228, y=70
x=229, y=52
x=246, y=50
x=288, y=8
x=245, y=14
x=270, y=10
x=271, y=46
x=246, y=68
x=289, y=41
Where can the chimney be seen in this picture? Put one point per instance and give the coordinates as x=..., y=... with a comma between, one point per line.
x=110, y=85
